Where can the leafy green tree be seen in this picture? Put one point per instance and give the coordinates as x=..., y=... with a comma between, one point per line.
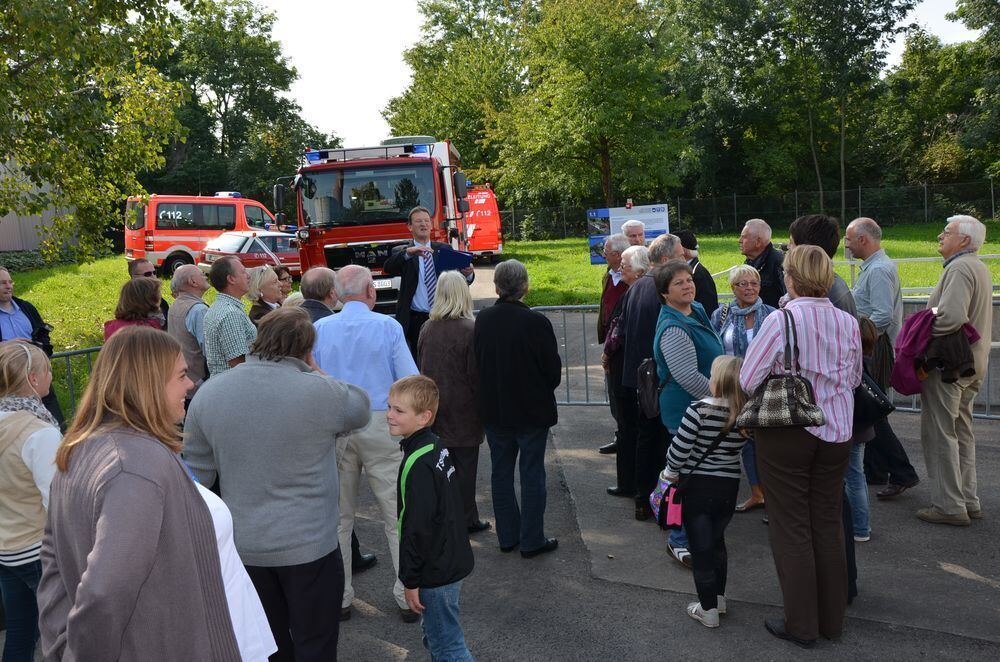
x=983, y=131
x=597, y=114
x=83, y=111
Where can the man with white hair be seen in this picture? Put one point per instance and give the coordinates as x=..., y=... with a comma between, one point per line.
x=879, y=297
x=365, y=348
x=612, y=289
x=635, y=232
x=755, y=244
x=964, y=294
x=186, y=320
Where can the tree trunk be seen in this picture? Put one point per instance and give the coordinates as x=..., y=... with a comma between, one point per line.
x=606, y=172
x=812, y=148
x=843, y=180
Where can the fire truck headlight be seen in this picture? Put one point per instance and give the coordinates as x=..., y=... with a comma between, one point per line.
x=304, y=234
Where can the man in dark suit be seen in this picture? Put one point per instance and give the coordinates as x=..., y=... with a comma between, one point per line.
x=414, y=264
x=519, y=370
x=705, y=292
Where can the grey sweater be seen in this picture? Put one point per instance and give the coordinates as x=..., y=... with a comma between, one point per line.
x=268, y=429
x=130, y=562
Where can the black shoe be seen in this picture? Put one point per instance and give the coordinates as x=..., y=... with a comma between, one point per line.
x=550, y=545
x=408, y=615
x=876, y=480
x=893, y=491
x=363, y=562
x=776, y=626
x=345, y=614
x=479, y=525
x=509, y=549
x=614, y=490
x=643, y=512
x=608, y=449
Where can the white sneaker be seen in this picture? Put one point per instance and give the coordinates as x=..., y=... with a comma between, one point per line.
x=862, y=538
x=709, y=619
x=721, y=599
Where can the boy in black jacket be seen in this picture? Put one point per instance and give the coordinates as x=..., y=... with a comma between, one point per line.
x=434, y=551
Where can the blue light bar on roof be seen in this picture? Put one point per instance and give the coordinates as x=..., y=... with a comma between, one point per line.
x=421, y=149
x=312, y=156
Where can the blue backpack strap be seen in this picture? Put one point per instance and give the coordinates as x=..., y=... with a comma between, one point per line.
x=417, y=454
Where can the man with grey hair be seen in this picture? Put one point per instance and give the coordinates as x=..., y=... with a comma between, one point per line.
x=963, y=295
x=635, y=232
x=612, y=289
x=755, y=244
x=186, y=320
x=519, y=370
x=878, y=296
x=319, y=292
x=637, y=327
x=362, y=347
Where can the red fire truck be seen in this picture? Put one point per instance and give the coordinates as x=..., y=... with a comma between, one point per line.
x=482, y=224
x=353, y=203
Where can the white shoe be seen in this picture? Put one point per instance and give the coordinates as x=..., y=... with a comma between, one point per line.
x=862, y=538
x=722, y=604
x=709, y=619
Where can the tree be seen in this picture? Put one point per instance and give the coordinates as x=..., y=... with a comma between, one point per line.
x=983, y=134
x=597, y=114
x=241, y=131
x=83, y=111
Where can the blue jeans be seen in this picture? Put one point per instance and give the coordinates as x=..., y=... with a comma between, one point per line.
x=443, y=635
x=18, y=585
x=857, y=491
x=524, y=525
x=750, y=462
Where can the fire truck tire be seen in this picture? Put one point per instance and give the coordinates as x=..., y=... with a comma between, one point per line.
x=172, y=262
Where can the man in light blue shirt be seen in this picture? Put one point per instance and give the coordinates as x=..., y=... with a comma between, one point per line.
x=878, y=296
x=367, y=349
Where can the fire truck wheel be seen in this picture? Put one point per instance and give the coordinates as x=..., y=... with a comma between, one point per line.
x=174, y=261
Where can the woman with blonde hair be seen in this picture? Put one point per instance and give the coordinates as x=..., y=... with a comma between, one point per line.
x=137, y=559
x=446, y=354
x=737, y=322
x=264, y=292
x=802, y=468
x=138, y=305
x=705, y=456
x=29, y=437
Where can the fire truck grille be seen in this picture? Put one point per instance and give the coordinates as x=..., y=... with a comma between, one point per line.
x=372, y=256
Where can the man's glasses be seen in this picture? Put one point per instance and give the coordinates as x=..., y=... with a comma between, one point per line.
x=747, y=283
x=147, y=274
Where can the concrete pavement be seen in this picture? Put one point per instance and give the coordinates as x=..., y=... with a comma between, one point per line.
x=611, y=592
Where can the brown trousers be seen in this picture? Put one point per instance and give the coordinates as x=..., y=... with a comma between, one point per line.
x=803, y=478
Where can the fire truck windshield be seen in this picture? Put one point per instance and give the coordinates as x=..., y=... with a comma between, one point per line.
x=365, y=195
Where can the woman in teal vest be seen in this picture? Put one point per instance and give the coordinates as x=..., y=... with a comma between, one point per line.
x=684, y=346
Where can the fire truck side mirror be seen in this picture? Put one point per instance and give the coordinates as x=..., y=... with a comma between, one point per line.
x=463, y=206
x=279, y=197
x=460, y=189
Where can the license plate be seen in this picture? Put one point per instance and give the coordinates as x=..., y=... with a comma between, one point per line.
x=383, y=283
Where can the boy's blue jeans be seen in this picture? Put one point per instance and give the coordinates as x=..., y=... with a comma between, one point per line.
x=443, y=635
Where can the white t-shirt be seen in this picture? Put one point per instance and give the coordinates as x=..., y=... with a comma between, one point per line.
x=253, y=634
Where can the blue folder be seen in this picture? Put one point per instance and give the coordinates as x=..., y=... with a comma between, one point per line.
x=448, y=259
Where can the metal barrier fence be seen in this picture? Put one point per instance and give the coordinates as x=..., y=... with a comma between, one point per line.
x=583, y=377
x=582, y=380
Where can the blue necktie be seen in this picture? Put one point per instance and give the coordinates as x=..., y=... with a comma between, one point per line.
x=430, y=278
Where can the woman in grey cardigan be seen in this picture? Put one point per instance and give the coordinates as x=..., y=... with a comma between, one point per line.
x=130, y=563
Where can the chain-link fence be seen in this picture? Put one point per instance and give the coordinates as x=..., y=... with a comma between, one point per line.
x=888, y=205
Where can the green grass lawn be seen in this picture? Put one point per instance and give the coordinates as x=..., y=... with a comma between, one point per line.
x=561, y=273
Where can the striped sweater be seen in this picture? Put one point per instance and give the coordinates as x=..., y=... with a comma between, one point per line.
x=701, y=425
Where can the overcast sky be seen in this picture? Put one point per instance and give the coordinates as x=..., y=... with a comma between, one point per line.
x=349, y=57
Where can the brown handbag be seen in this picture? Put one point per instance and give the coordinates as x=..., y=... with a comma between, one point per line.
x=785, y=400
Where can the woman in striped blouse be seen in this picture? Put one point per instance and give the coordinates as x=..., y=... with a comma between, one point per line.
x=707, y=446
x=802, y=469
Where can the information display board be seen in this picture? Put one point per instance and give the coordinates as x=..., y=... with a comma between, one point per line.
x=604, y=222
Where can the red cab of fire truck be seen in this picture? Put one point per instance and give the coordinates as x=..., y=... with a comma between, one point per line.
x=482, y=224
x=353, y=204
